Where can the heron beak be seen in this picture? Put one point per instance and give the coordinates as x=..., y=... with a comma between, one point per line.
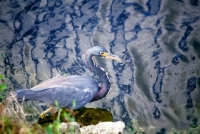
x=113, y=57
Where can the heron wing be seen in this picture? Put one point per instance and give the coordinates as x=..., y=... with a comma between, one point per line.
x=59, y=81
x=81, y=90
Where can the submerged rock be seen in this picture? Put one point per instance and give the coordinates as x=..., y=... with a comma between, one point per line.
x=92, y=116
x=84, y=116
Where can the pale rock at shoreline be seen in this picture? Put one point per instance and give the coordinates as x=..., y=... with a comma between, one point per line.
x=104, y=128
x=100, y=128
x=69, y=127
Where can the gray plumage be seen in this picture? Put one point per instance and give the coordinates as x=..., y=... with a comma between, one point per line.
x=63, y=90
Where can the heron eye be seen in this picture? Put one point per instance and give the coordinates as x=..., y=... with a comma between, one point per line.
x=102, y=54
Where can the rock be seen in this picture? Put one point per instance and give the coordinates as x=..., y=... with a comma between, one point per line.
x=71, y=127
x=100, y=128
x=104, y=128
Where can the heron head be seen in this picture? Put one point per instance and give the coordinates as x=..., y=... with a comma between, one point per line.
x=101, y=51
x=97, y=50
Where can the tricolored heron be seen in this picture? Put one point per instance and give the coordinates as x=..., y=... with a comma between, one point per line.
x=66, y=89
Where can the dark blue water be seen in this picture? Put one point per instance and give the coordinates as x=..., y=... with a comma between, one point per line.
x=160, y=88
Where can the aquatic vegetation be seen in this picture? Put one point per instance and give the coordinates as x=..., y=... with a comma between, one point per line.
x=13, y=124
x=17, y=124
x=13, y=119
x=2, y=87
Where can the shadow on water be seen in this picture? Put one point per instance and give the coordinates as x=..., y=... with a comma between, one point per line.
x=159, y=89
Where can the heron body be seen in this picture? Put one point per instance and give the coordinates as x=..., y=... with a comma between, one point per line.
x=66, y=89
x=63, y=90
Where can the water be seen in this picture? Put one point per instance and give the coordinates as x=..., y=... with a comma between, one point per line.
x=160, y=88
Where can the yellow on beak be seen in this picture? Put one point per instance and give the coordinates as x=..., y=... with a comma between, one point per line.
x=112, y=56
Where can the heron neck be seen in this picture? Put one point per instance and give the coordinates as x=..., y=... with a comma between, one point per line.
x=103, y=75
